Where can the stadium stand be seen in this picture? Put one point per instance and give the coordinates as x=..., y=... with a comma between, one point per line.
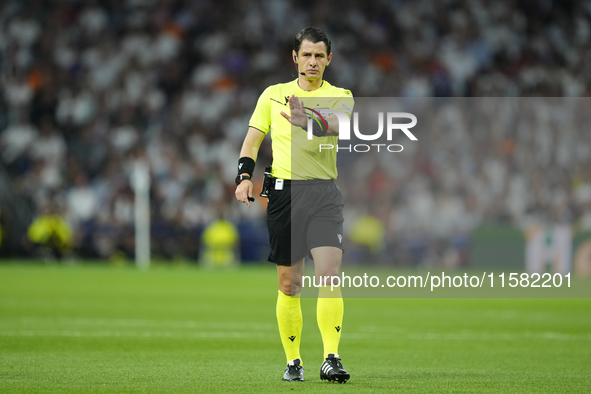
x=89, y=85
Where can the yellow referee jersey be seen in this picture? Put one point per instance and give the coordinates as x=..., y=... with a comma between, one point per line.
x=294, y=156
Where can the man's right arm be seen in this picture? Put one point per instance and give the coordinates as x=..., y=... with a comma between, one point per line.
x=250, y=148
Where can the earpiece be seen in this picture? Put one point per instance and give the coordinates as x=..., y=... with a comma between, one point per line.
x=297, y=68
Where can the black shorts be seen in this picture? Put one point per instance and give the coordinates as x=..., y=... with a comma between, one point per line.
x=302, y=216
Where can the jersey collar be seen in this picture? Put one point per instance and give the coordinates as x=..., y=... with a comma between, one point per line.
x=322, y=86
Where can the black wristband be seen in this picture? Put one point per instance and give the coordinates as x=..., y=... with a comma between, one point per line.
x=245, y=165
x=319, y=124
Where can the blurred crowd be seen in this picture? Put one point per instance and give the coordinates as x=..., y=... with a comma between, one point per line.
x=88, y=87
x=519, y=162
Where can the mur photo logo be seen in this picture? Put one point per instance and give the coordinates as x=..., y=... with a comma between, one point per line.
x=392, y=126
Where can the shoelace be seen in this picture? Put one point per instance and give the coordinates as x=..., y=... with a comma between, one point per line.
x=338, y=362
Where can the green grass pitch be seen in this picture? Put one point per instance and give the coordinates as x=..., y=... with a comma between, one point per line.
x=101, y=329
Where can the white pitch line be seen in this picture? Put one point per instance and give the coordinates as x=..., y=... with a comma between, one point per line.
x=18, y=303
x=250, y=335
x=129, y=334
x=32, y=320
x=500, y=336
x=470, y=336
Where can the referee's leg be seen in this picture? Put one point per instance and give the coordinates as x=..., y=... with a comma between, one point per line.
x=289, y=317
x=290, y=278
x=329, y=311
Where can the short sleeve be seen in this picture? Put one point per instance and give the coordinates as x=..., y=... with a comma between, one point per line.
x=345, y=103
x=261, y=117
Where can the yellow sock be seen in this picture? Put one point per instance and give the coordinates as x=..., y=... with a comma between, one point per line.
x=289, y=319
x=329, y=313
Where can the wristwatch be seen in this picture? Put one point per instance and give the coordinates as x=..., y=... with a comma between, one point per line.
x=241, y=177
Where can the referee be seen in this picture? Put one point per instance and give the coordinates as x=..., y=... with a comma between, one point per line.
x=305, y=209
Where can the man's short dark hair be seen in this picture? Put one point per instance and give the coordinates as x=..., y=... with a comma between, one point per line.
x=312, y=34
